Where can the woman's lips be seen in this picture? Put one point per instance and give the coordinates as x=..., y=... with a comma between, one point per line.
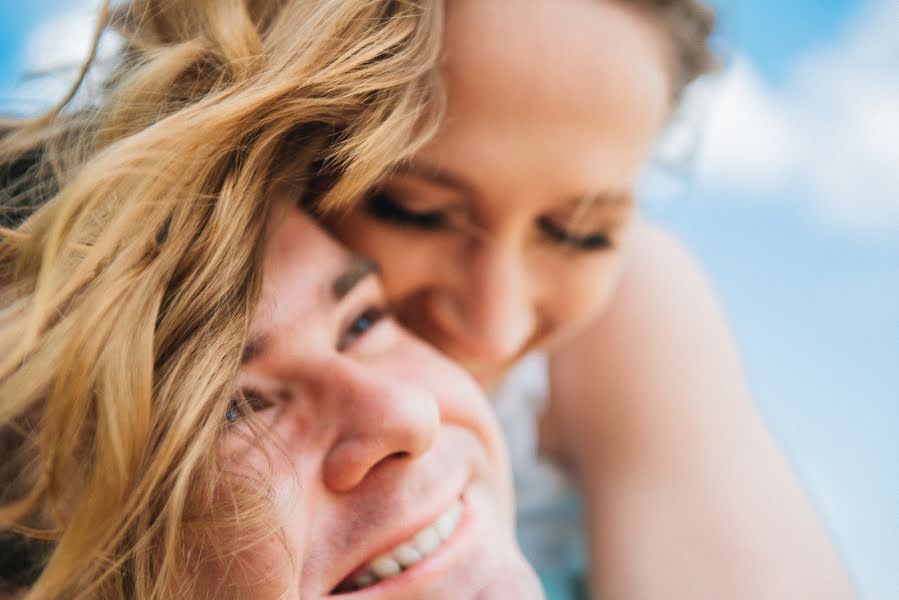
x=440, y=555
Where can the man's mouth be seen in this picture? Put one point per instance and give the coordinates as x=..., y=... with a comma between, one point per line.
x=405, y=555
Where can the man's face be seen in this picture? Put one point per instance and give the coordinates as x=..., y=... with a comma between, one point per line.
x=388, y=472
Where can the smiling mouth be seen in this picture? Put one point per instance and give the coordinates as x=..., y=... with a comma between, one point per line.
x=405, y=555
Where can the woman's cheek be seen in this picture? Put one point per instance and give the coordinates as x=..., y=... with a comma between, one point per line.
x=583, y=292
x=409, y=258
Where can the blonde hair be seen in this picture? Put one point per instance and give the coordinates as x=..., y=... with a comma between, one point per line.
x=125, y=298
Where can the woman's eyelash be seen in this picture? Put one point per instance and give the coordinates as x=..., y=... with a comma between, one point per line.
x=361, y=325
x=592, y=241
x=382, y=207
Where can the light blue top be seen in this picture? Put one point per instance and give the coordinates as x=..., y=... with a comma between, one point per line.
x=549, y=513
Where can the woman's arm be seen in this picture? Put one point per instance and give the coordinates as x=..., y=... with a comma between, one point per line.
x=688, y=495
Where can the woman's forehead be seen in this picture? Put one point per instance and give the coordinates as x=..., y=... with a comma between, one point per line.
x=532, y=62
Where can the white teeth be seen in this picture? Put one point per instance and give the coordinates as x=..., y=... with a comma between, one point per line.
x=366, y=579
x=427, y=541
x=447, y=522
x=409, y=553
x=385, y=566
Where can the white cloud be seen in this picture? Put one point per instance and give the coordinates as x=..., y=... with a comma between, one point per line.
x=62, y=39
x=832, y=130
x=750, y=136
x=54, y=52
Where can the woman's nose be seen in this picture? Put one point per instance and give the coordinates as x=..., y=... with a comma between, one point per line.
x=379, y=418
x=495, y=312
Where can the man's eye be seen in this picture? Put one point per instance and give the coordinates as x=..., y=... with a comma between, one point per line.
x=598, y=240
x=244, y=402
x=383, y=208
x=359, y=326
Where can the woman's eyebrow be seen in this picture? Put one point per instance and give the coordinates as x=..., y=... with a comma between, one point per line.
x=435, y=175
x=612, y=198
x=356, y=270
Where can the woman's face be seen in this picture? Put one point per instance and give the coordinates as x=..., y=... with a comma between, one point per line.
x=387, y=468
x=507, y=231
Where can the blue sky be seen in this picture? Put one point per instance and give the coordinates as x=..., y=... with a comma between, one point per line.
x=773, y=31
x=806, y=257
x=793, y=209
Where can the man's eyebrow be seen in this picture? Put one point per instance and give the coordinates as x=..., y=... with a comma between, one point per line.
x=254, y=347
x=356, y=270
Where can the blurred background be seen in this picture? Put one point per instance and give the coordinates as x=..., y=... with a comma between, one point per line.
x=782, y=175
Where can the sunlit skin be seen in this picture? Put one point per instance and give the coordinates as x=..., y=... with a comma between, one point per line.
x=553, y=108
x=515, y=230
x=371, y=435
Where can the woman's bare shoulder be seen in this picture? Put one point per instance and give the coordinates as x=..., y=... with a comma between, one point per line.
x=653, y=407
x=662, y=345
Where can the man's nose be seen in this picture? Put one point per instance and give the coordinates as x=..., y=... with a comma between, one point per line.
x=494, y=307
x=380, y=419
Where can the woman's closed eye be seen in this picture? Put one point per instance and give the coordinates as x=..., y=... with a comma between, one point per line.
x=382, y=207
x=597, y=240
